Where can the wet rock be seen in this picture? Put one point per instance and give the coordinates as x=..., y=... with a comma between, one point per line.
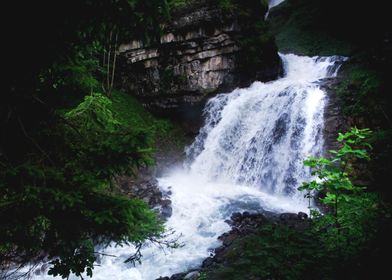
x=298, y=221
x=229, y=237
x=147, y=190
x=246, y=214
x=178, y=276
x=208, y=262
x=334, y=120
x=166, y=211
x=236, y=217
x=302, y=215
x=288, y=217
x=166, y=202
x=220, y=254
x=192, y=275
x=245, y=223
x=293, y=217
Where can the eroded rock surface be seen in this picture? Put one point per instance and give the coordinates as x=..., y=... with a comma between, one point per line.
x=201, y=52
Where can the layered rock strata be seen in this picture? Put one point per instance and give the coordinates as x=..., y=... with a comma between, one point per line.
x=201, y=52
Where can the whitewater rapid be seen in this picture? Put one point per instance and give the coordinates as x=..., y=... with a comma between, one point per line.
x=248, y=156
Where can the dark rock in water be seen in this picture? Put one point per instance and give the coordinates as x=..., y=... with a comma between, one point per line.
x=220, y=254
x=229, y=237
x=293, y=217
x=236, y=217
x=271, y=216
x=194, y=275
x=166, y=202
x=245, y=222
x=288, y=217
x=302, y=215
x=298, y=221
x=208, y=262
x=166, y=211
x=178, y=276
x=246, y=214
x=147, y=190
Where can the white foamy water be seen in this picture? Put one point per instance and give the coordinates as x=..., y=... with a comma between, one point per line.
x=273, y=3
x=248, y=156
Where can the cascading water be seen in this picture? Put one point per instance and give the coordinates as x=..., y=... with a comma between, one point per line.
x=273, y=3
x=248, y=156
x=260, y=135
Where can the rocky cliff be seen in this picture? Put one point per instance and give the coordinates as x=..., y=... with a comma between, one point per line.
x=206, y=48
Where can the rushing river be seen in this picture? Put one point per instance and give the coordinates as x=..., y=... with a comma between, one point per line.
x=248, y=156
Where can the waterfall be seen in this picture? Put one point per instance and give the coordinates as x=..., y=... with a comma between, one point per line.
x=248, y=156
x=260, y=135
x=273, y=3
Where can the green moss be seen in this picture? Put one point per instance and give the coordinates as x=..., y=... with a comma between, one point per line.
x=164, y=134
x=359, y=90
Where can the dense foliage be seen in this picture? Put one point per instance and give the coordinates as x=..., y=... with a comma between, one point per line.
x=66, y=132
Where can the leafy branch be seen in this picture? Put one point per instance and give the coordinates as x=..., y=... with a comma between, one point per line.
x=334, y=178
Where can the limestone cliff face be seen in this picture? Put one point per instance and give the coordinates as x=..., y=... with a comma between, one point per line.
x=203, y=50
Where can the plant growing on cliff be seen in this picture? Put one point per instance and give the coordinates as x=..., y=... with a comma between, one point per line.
x=333, y=175
x=341, y=228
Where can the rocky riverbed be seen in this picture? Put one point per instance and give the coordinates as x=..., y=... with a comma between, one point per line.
x=242, y=225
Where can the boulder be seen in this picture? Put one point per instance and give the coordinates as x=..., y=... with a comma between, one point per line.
x=194, y=275
x=208, y=262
